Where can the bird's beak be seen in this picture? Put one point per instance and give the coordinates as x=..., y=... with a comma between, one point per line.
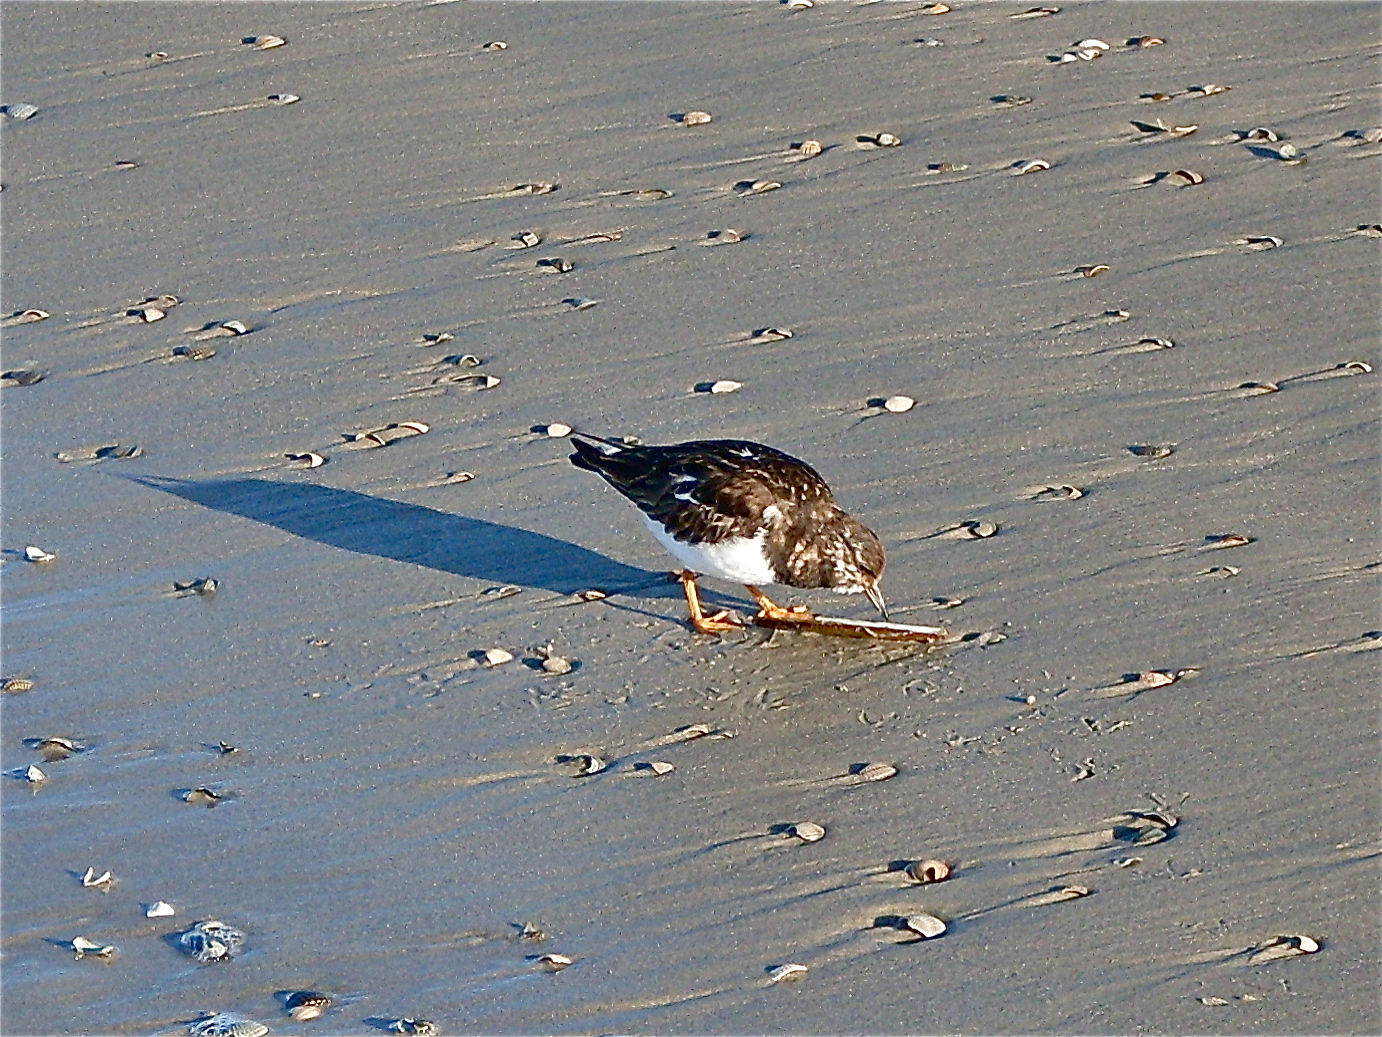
x=876, y=596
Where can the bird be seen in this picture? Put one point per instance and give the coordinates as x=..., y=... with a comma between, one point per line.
x=742, y=512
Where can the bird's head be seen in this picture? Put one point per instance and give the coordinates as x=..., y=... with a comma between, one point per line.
x=863, y=563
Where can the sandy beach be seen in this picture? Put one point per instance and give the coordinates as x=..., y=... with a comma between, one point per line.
x=1149, y=758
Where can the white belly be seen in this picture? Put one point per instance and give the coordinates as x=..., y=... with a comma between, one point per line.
x=740, y=560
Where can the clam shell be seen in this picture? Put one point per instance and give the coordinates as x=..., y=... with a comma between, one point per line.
x=33, y=553
x=928, y=871
x=264, y=42
x=928, y=926
x=284, y=98
x=1152, y=450
x=307, y=460
x=91, y=880
x=589, y=764
x=26, y=317
x=227, y=1024
x=877, y=772
x=807, y=831
x=808, y=149
x=729, y=236
x=1261, y=133
x=202, y=796
x=34, y=775
x=561, y=266
x=899, y=404
x=758, y=186
x=83, y=947
x=495, y=45
x=498, y=657
x=592, y=595
x=210, y=941
x=1035, y=165
x=20, y=111
x=1093, y=271
x=160, y=909
x=553, y=962
x=303, y=1005
x=935, y=9
x=193, y=352
x=724, y=385
x=762, y=335
x=888, y=140
x=524, y=239
x=1146, y=41
x=578, y=302
x=799, y=5
x=1209, y=89
x=16, y=685
x=789, y=972
x=1287, y=152
x=1283, y=947
x=555, y=664
x=1093, y=44
x=696, y=118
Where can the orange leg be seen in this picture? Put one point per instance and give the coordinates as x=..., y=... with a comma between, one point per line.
x=716, y=624
x=769, y=609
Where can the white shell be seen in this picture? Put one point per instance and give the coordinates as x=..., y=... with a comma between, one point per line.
x=929, y=926
x=580, y=303
x=1093, y=44
x=809, y=148
x=808, y=831
x=1035, y=165
x=557, y=430
x=725, y=385
x=696, y=118
x=1288, y=151
x=309, y=459
x=555, y=962
x=790, y=971
x=21, y=111
x=498, y=657
x=34, y=774
x=268, y=42
x=887, y=140
x=557, y=665
x=284, y=98
x=495, y=45
x=877, y=772
x=899, y=404
x=660, y=767
x=227, y=1024
x=83, y=947
x=91, y=879
x=160, y=909
x=37, y=554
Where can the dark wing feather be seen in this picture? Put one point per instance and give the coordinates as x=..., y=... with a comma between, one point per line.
x=708, y=490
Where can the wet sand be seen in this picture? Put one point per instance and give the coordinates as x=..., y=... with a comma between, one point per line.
x=393, y=808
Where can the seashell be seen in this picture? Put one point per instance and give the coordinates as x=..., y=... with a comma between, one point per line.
x=945, y=603
x=202, y=796
x=1222, y=571
x=37, y=554
x=1155, y=343
x=928, y=871
x=555, y=664
x=947, y=167
x=1209, y=89
x=1368, y=230
x=1036, y=12
x=411, y=428
x=16, y=685
x=729, y=236
x=658, y=767
x=578, y=302
x=304, y=1005
x=157, y=55
x=593, y=239
x=749, y=187
x=1158, y=96
x=423, y=1027
x=935, y=9
x=696, y=118
x=495, y=45
x=552, y=962
x=649, y=194
x=899, y=404
x=194, y=352
x=307, y=460
x=1259, y=388
x=462, y=360
x=93, y=881
x=478, y=382
x=790, y=972
x=437, y=339
x=497, y=657
x=799, y=5
x=808, y=149
x=1213, y=1002
x=211, y=941
x=876, y=772
x=34, y=775
x=762, y=335
x=1182, y=131
x=227, y=1024
x=1057, y=896
x=928, y=926
x=1034, y=166
x=591, y=595
x=20, y=112
x=1289, y=153
x=83, y=947
x=264, y=42
x=807, y=831
x=887, y=140
x=147, y=314
x=588, y=764
x=561, y=266
x=536, y=188
x=556, y=430
x=1146, y=41
x=232, y=328
x=1093, y=271
x=160, y=909
x=928, y=41
x=981, y=530
x=1261, y=133
x=205, y=586
x=1355, y=367
x=720, y=387
x=1152, y=450
x=1064, y=491
x=21, y=378
x=1283, y=947
x=524, y=239
x=55, y=749
x=26, y=317
x=1093, y=44
x=1010, y=100
x=1228, y=540
x=528, y=931
x=284, y=98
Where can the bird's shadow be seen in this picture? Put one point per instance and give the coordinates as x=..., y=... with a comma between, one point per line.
x=384, y=528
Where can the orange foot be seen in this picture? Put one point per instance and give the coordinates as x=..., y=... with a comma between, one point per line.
x=717, y=624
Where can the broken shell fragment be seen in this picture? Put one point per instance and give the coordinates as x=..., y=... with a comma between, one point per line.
x=16, y=685
x=193, y=352
x=556, y=664
x=83, y=947
x=1146, y=41
x=658, y=767
x=946, y=167
x=1368, y=230
x=1288, y=152
x=33, y=553
x=552, y=962
x=876, y=772
x=1189, y=176
x=586, y=764
x=762, y=335
x=1283, y=947
x=1209, y=89
x=227, y=1024
x=980, y=530
x=807, y=149
x=928, y=871
x=1034, y=166
x=1226, y=540
x=211, y=941
x=21, y=378
x=696, y=118
x=1222, y=571
x=789, y=972
x=524, y=239
x=888, y=140
x=91, y=880
x=55, y=748
x=561, y=266
x=1036, y=12
x=1010, y=100
x=205, y=586
x=25, y=317
x=232, y=328
x=750, y=187
x=729, y=236
x=303, y=1005
x=1064, y=491
x=649, y=194
x=1151, y=450
x=1093, y=44
x=147, y=314
x=724, y=385
x=307, y=460
x=807, y=831
x=927, y=926
x=898, y=404
x=1093, y=271
x=935, y=9
x=160, y=909
x=497, y=657
x=33, y=775
x=264, y=42
x=202, y=796
x=478, y=382
x=556, y=430
x=541, y=187
x=422, y=1027
x=591, y=595
x=20, y=111
x=495, y=45
x=284, y=98
x=580, y=303
x=1261, y=133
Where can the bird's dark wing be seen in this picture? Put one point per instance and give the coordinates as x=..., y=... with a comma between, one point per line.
x=709, y=490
